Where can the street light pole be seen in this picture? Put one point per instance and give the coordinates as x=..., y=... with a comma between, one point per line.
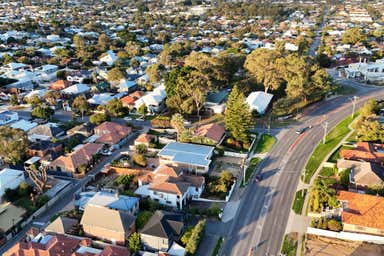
x=354, y=100
x=325, y=126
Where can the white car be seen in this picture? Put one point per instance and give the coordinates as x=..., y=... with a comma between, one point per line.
x=127, y=118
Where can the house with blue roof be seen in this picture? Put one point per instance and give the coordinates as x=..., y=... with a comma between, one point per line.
x=109, y=200
x=191, y=157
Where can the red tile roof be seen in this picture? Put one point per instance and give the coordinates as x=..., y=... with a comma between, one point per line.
x=364, y=151
x=111, y=133
x=363, y=210
x=211, y=131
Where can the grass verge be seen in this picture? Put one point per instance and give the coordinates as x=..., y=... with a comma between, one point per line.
x=333, y=138
x=248, y=172
x=298, y=202
x=217, y=247
x=289, y=246
x=327, y=172
x=265, y=143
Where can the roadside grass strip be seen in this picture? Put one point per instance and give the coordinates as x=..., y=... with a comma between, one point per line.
x=265, y=143
x=248, y=172
x=298, y=202
x=217, y=247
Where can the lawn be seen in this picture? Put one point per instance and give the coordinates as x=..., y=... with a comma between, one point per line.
x=336, y=154
x=289, y=247
x=248, y=172
x=142, y=219
x=217, y=247
x=333, y=138
x=327, y=172
x=265, y=143
x=298, y=202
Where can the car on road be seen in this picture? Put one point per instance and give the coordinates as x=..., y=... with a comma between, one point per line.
x=127, y=118
x=302, y=130
x=106, y=152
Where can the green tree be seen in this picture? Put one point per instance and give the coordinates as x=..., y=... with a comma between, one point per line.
x=14, y=143
x=115, y=108
x=103, y=42
x=51, y=97
x=33, y=100
x=80, y=47
x=238, y=118
x=177, y=122
x=154, y=72
x=353, y=36
x=322, y=196
x=263, y=65
x=194, y=237
x=42, y=111
x=80, y=103
x=115, y=74
x=142, y=109
x=98, y=118
x=13, y=100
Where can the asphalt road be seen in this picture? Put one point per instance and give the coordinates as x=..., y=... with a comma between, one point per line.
x=261, y=220
x=67, y=197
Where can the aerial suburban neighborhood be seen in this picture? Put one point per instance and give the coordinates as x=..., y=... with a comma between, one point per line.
x=191, y=127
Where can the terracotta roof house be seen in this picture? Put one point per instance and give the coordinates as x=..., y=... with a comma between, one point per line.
x=162, y=229
x=213, y=133
x=59, y=85
x=47, y=244
x=107, y=224
x=145, y=139
x=169, y=186
x=112, y=134
x=362, y=213
x=52, y=244
x=82, y=155
x=365, y=151
x=128, y=101
x=362, y=174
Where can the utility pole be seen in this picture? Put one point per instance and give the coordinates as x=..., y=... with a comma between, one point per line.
x=325, y=126
x=354, y=100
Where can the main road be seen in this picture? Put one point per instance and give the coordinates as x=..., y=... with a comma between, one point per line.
x=260, y=222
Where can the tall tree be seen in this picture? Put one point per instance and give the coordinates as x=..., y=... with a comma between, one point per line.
x=177, y=122
x=238, y=117
x=263, y=65
x=80, y=103
x=14, y=143
x=103, y=42
x=115, y=108
x=115, y=74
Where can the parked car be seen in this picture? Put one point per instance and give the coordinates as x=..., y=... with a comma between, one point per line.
x=258, y=178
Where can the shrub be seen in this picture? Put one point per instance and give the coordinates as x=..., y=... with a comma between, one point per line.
x=334, y=225
x=142, y=219
x=161, y=122
x=141, y=149
x=140, y=160
x=344, y=178
x=193, y=237
x=134, y=242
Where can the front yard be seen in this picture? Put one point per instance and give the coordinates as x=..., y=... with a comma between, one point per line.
x=265, y=143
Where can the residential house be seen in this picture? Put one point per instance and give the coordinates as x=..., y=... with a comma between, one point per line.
x=362, y=213
x=162, y=229
x=192, y=157
x=144, y=139
x=10, y=179
x=129, y=101
x=259, y=101
x=84, y=129
x=53, y=244
x=59, y=85
x=71, y=163
x=153, y=100
x=23, y=125
x=362, y=174
x=79, y=76
x=76, y=89
x=372, y=71
x=215, y=101
x=109, y=58
x=44, y=148
x=7, y=117
x=110, y=200
x=170, y=186
x=212, y=133
x=365, y=151
x=127, y=86
x=107, y=224
x=61, y=225
x=112, y=134
x=45, y=132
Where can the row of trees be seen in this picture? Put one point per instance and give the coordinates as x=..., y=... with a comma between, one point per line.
x=367, y=126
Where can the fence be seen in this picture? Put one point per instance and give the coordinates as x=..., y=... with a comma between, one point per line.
x=346, y=235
